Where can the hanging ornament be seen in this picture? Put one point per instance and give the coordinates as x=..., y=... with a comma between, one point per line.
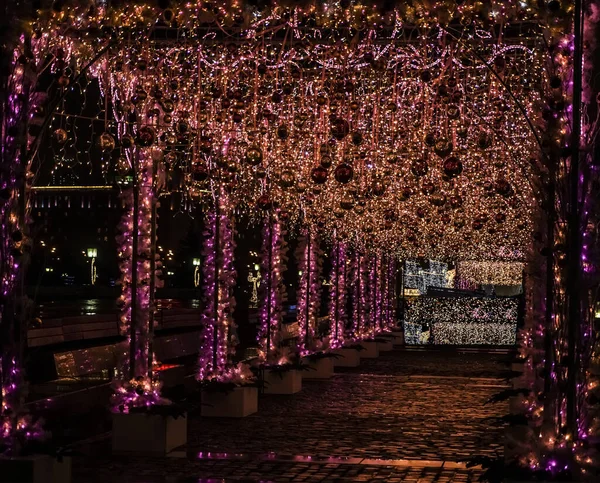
x=343, y=173
x=283, y=132
x=456, y=201
x=199, y=171
x=301, y=186
x=428, y=188
x=106, y=142
x=205, y=144
x=357, y=138
x=339, y=128
x=443, y=147
x=453, y=111
x=319, y=175
x=300, y=120
x=462, y=132
x=254, y=155
x=452, y=167
x=392, y=159
x=264, y=202
x=326, y=161
x=122, y=166
x=503, y=187
x=60, y=136
x=378, y=187
x=405, y=194
x=146, y=136
x=419, y=167
x=430, y=139
x=127, y=141
x=347, y=202
x=287, y=178
x=484, y=140
x=437, y=199
x=499, y=217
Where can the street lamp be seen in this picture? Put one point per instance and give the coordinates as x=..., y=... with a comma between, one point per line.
x=92, y=253
x=196, y=263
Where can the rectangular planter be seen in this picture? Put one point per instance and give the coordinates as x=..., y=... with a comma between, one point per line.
x=239, y=403
x=348, y=358
x=385, y=346
x=289, y=382
x=371, y=350
x=147, y=434
x=35, y=469
x=321, y=369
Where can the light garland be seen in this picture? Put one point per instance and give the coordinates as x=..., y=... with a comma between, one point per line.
x=142, y=272
x=273, y=265
x=19, y=133
x=308, y=255
x=218, y=340
x=338, y=295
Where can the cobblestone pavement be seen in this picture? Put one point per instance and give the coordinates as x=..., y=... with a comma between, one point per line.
x=396, y=418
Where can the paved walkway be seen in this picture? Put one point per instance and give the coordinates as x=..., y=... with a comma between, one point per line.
x=412, y=416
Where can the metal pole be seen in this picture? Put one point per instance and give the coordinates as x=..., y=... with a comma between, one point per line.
x=134, y=262
x=573, y=285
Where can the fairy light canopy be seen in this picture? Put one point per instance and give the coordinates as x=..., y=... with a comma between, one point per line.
x=408, y=127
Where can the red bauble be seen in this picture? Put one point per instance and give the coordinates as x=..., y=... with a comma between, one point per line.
x=339, y=128
x=500, y=217
x=452, y=167
x=343, y=173
x=264, y=202
x=319, y=175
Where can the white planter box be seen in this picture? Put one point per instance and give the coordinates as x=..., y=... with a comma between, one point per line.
x=35, y=469
x=348, y=358
x=149, y=434
x=371, y=350
x=289, y=382
x=320, y=369
x=239, y=403
x=385, y=346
